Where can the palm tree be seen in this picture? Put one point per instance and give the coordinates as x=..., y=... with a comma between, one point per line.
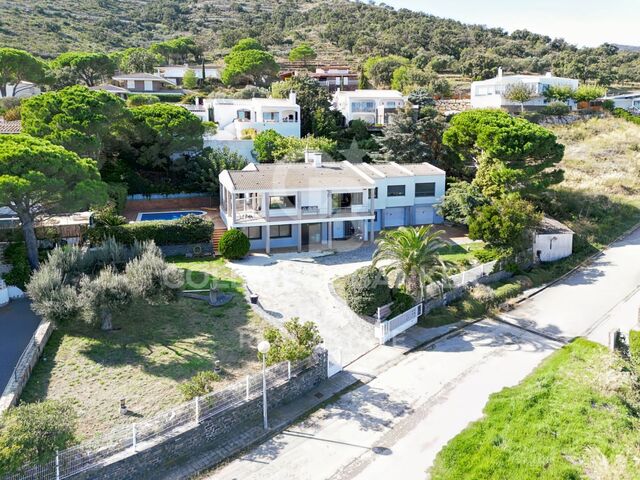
x=412, y=255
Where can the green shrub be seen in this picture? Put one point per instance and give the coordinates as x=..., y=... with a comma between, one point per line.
x=402, y=302
x=366, y=289
x=199, y=385
x=556, y=109
x=507, y=291
x=16, y=255
x=32, y=432
x=189, y=229
x=533, y=117
x=634, y=345
x=296, y=344
x=622, y=113
x=107, y=216
x=483, y=293
x=142, y=99
x=609, y=105
x=234, y=244
x=486, y=255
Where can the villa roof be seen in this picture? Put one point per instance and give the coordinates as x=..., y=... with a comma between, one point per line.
x=371, y=93
x=522, y=78
x=107, y=87
x=10, y=127
x=392, y=169
x=140, y=76
x=297, y=176
x=275, y=102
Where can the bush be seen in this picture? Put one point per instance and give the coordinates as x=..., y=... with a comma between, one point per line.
x=107, y=216
x=507, y=291
x=533, y=117
x=366, y=289
x=142, y=99
x=16, y=255
x=188, y=229
x=556, y=109
x=199, y=385
x=296, y=345
x=609, y=105
x=483, y=293
x=234, y=244
x=622, y=113
x=33, y=432
x=402, y=302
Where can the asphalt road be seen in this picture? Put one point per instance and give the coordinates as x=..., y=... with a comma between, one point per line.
x=17, y=325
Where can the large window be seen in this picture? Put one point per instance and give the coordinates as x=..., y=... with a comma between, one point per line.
x=395, y=191
x=253, y=233
x=276, y=203
x=357, y=198
x=280, y=231
x=271, y=116
x=426, y=189
x=363, y=107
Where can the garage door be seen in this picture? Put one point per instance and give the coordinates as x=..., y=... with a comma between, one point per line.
x=394, y=217
x=424, y=215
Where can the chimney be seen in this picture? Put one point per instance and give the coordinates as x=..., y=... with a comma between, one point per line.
x=499, y=72
x=549, y=74
x=313, y=157
x=293, y=97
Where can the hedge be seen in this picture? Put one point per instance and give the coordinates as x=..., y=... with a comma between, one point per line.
x=16, y=255
x=366, y=289
x=234, y=244
x=630, y=117
x=189, y=229
x=634, y=345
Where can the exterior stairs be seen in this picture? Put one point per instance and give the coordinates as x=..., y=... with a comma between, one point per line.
x=218, y=231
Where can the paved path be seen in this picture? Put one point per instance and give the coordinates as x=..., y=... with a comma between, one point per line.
x=393, y=426
x=17, y=325
x=297, y=285
x=593, y=300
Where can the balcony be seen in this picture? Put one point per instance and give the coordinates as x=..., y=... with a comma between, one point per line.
x=247, y=215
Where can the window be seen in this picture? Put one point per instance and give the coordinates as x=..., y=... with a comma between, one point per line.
x=426, y=189
x=375, y=192
x=364, y=107
x=395, y=191
x=253, y=233
x=280, y=231
x=276, y=203
x=357, y=199
x=271, y=116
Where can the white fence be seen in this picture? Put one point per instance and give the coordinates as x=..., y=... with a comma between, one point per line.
x=130, y=438
x=385, y=331
x=460, y=279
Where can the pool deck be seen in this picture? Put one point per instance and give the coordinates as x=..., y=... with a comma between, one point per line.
x=205, y=204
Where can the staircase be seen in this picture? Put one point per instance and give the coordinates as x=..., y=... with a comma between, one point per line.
x=217, y=235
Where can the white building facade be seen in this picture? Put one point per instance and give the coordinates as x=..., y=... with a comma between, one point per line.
x=371, y=106
x=175, y=73
x=552, y=241
x=316, y=205
x=22, y=90
x=627, y=101
x=491, y=93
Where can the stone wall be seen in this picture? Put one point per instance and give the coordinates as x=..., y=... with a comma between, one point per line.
x=175, y=449
x=453, y=105
x=188, y=249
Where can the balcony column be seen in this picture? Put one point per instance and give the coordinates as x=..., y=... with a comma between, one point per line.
x=299, y=229
x=299, y=205
x=267, y=243
x=265, y=205
x=330, y=203
x=330, y=234
x=373, y=231
x=365, y=230
x=233, y=208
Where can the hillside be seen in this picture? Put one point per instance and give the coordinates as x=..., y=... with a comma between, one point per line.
x=341, y=31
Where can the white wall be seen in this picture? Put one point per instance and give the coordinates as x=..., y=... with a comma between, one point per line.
x=489, y=93
x=24, y=90
x=242, y=147
x=409, y=199
x=553, y=247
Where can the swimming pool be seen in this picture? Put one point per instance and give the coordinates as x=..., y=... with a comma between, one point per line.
x=164, y=216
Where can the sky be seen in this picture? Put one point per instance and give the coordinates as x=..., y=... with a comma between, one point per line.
x=582, y=22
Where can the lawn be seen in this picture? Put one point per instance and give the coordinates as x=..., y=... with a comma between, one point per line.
x=153, y=349
x=574, y=417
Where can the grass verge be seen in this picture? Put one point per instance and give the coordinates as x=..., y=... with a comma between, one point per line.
x=575, y=416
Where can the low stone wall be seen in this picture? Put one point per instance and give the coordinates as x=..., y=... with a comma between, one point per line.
x=27, y=361
x=194, y=249
x=453, y=105
x=176, y=449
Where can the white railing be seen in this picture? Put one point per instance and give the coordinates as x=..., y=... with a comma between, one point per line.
x=131, y=438
x=385, y=331
x=460, y=279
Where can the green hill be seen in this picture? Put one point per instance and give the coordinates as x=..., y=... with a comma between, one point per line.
x=341, y=31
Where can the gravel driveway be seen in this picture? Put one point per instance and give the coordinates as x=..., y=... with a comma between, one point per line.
x=297, y=285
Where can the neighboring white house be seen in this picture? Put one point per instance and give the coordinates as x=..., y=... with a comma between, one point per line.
x=116, y=90
x=629, y=101
x=552, y=241
x=146, y=83
x=315, y=204
x=491, y=93
x=22, y=90
x=237, y=119
x=175, y=73
x=371, y=106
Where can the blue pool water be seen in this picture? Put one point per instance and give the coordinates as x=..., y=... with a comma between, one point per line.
x=155, y=216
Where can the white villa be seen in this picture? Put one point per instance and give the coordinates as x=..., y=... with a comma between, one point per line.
x=22, y=90
x=313, y=205
x=371, y=106
x=490, y=93
x=146, y=83
x=628, y=101
x=175, y=73
x=238, y=119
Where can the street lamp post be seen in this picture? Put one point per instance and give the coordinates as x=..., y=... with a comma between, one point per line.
x=263, y=348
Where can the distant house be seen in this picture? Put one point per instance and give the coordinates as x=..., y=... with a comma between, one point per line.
x=146, y=83
x=175, y=73
x=371, y=106
x=239, y=119
x=22, y=90
x=332, y=78
x=491, y=93
x=117, y=91
x=10, y=127
x=316, y=204
x=629, y=101
x=552, y=241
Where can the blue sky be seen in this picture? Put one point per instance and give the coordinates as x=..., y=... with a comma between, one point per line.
x=583, y=22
